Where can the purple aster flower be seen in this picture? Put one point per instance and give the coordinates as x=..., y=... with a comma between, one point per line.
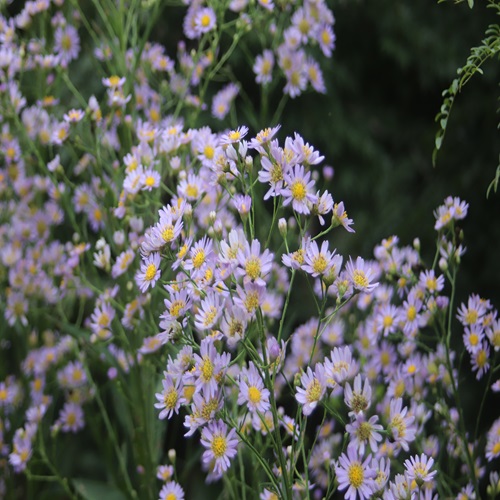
x=210, y=309
x=358, y=398
x=318, y=262
x=221, y=446
x=299, y=190
x=263, y=67
x=364, y=432
x=401, y=425
x=223, y=99
x=340, y=218
x=149, y=273
x=492, y=450
x=313, y=388
x=66, y=44
x=252, y=390
x=171, y=398
x=360, y=275
x=253, y=265
x=480, y=359
x=71, y=417
x=355, y=475
x=418, y=469
x=171, y=491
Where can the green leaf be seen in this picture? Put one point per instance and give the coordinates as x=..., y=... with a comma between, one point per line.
x=439, y=141
x=471, y=3
x=92, y=490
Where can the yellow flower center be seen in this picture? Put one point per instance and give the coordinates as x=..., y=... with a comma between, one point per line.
x=66, y=43
x=364, y=431
x=205, y=20
x=387, y=322
x=150, y=181
x=319, y=264
x=481, y=358
x=298, y=190
x=252, y=301
x=473, y=339
x=168, y=233
x=252, y=267
x=471, y=317
x=359, y=403
x=266, y=67
x=431, y=284
x=313, y=391
x=207, y=369
x=209, y=152
x=191, y=191
x=150, y=272
x=411, y=314
x=171, y=496
x=176, y=307
x=170, y=398
x=71, y=419
x=114, y=80
x=199, y=258
x=254, y=395
x=219, y=446
x=360, y=279
x=234, y=135
x=356, y=474
x=211, y=314
x=496, y=448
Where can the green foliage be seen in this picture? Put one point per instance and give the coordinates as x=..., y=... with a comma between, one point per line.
x=488, y=49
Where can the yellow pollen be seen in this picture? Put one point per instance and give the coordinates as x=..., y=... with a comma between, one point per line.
x=252, y=267
x=359, y=403
x=191, y=191
x=387, y=322
x=319, y=264
x=412, y=369
x=66, y=42
x=207, y=369
x=481, y=358
x=298, y=190
x=150, y=181
x=219, y=446
x=471, y=317
x=3, y=394
x=10, y=153
x=398, y=423
x=71, y=419
x=473, y=339
x=188, y=392
x=168, y=233
x=114, y=80
x=205, y=20
x=170, y=398
x=325, y=37
x=209, y=152
x=252, y=301
x=103, y=320
x=266, y=67
x=313, y=391
x=399, y=390
x=211, y=314
x=431, y=284
x=150, y=272
x=356, y=474
x=360, y=279
x=364, y=431
x=171, y=496
x=98, y=214
x=199, y=258
x=234, y=135
x=496, y=448
x=254, y=395
x=411, y=314
x=175, y=308
x=385, y=358
x=304, y=26
x=276, y=173
x=182, y=251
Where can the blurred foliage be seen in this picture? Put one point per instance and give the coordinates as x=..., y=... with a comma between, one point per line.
x=376, y=126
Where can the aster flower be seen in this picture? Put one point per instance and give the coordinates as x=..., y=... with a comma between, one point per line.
x=326, y=39
x=210, y=309
x=150, y=179
x=387, y=319
x=313, y=388
x=401, y=425
x=200, y=254
x=253, y=265
x=66, y=44
x=480, y=359
x=299, y=190
x=223, y=99
x=473, y=337
x=360, y=275
x=171, y=491
x=358, y=398
x=473, y=312
x=263, y=67
x=234, y=136
x=340, y=217
x=220, y=444
x=429, y=282
x=122, y=263
x=74, y=116
x=209, y=367
x=71, y=417
x=252, y=391
x=171, y=398
x=274, y=169
x=149, y=272
x=355, y=475
x=364, y=432
x=418, y=469
x=340, y=366
x=492, y=450
x=318, y=262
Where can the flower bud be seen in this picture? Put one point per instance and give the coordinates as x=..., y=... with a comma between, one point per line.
x=282, y=226
x=172, y=455
x=443, y=264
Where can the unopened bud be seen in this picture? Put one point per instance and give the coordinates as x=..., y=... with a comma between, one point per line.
x=282, y=226
x=443, y=264
x=249, y=163
x=416, y=244
x=172, y=455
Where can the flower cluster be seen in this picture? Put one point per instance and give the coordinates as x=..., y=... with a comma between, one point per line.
x=161, y=275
